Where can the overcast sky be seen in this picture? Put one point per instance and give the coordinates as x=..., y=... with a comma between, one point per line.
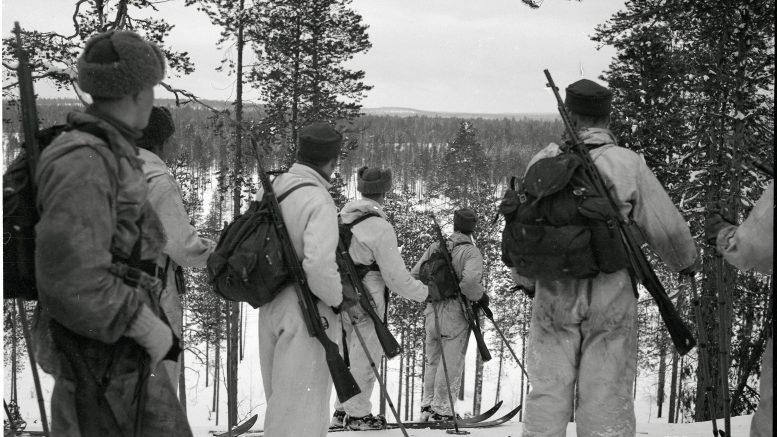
x=483, y=56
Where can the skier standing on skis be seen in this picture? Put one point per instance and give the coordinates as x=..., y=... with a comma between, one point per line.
x=296, y=379
x=98, y=328
x=750, y=246
x=184, y=247
x=584, y=331
x=453, y=327
x=373, y=247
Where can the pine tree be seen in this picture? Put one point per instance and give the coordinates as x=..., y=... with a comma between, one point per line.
x=693, y=92
x=302, y=47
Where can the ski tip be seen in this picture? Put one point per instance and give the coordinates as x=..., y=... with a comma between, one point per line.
x=240, y=428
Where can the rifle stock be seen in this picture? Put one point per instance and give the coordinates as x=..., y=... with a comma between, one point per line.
x=345, y=385
x=387, y=340
x=466, y=305
x=681, y=335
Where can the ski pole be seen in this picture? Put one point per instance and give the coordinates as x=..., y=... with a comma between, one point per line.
x=377, y=375
x=33, y=365
x=445, y=371
x=703, y=355
x=510, y=348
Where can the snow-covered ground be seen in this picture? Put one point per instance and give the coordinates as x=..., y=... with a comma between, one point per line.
x=251, y=398
x=740, y=427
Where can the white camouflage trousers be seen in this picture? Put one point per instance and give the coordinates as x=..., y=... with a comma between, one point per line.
x=296, y=379
x=455, y=335
x=361, y=405
x=584, y=332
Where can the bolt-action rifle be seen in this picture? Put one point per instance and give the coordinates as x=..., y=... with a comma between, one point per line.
x=387, y=341
x=640, y=267
x=466, y=305
x=345, y=386
x=30, y=129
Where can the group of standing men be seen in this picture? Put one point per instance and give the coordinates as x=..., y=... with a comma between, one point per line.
x=113, y=231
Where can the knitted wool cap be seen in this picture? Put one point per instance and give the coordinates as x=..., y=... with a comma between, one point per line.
x=373, y=180
x=318, y=142
x=587, y=97
x=465, y=220
x=119, y=63
x=159, y=129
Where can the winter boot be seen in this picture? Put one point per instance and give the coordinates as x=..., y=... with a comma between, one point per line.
x=437, y=417
x=426, y=413
x=365, y=423
x=337, y=419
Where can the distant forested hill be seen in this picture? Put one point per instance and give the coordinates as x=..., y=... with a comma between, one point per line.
x=411, y=142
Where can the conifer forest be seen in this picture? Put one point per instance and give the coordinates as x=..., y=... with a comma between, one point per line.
x=693, y=93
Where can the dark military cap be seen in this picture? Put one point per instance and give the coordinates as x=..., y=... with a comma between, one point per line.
x=319, y=142
x=464, y=220
x=587, y=97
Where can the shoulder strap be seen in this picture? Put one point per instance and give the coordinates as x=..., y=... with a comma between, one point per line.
x=461, y=243
x=293, y=189
x=361, y=219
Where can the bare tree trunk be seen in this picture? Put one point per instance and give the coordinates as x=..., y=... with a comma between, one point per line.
x=661, y=371
x=182, y=373
x=523, y=358
x=399, y=380
x=408, y=369
x=477, y=397
x=412, y=387
x=673, y=389
x=207, y=362
x=233, y=313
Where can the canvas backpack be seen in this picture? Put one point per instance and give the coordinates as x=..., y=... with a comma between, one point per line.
x=557, y=226
x=435, y=269
x=346, y=235
x=20, y=216
x=248, y=264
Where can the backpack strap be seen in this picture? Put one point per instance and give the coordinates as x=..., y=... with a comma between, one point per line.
x=293, y=189
x=362, y=269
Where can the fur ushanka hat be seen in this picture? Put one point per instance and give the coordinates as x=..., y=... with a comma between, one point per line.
x=119, y=63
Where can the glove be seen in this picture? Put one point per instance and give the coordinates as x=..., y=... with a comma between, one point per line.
x=713, y=225
x=153, y=335
x=434, y=293
x=483, y=305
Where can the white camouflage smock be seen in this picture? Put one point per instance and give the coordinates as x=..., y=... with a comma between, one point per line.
x=584, y=331
x=374, y=240
x=295, y=375
x=452, y=337
x=184, y=246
